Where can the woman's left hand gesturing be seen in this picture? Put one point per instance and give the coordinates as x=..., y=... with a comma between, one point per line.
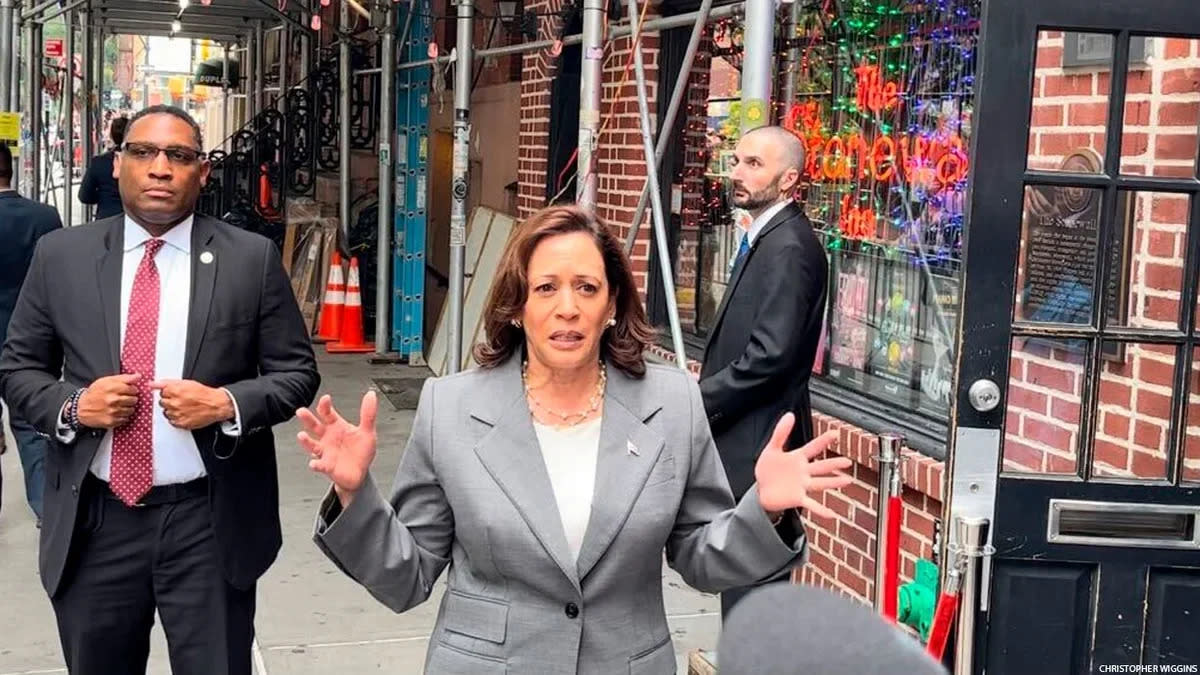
x=796, y=479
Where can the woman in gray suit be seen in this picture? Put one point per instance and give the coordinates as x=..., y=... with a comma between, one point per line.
x=552, y=478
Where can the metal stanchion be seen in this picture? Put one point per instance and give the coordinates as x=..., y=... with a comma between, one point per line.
x=887, y=524
x=970, y=536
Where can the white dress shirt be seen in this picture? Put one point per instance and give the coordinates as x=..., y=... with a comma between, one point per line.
x=760, y=222
x=570, y=455
x=176, y=457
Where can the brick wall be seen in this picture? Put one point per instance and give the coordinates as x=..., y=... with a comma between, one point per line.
x=690, y=179
x=1162, y=110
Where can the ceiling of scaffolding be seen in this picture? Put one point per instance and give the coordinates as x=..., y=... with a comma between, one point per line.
x=222, y=20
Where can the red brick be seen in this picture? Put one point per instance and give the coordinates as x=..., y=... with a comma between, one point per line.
x=1137, y=113
x=1162, y=244
x=1156, y=372
x=1047, y=116
x=1087, y=114
x=1175, y=146
x=1047, y=434
x=1181, y=81
x=852, y=581
x=1115, y=455
x=1147, y=435
x=1059, y=465
x=1179, y=114
x=1178, y=48
x=1169, y=210
x=1155, y=308
x=1058, y=379
x=1049, y=57
x=839, y=505
x=1021, y=398
x=1068, y=85
x=1115, y=425
x=1163, y=277
x=1134, y=144
x=1064, y=411
x=854, y=536
x=1019, y=456
x=1063, y=143
x=1149, y=466
x=920, y=523
x=865, y=519
x=1153, y=405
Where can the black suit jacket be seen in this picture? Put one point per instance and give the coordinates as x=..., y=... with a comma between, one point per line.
x=762, y=345
x=100, y=188
x=244, y=332
x=22, y=222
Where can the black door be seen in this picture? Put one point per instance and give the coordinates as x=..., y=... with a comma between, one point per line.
x=1080, y=307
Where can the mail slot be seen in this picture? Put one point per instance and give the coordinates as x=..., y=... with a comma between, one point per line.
x=1090, y=523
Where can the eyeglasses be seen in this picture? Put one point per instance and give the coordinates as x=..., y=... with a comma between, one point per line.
x=176, y=154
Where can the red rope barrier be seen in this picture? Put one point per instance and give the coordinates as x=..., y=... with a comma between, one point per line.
x=891, y=589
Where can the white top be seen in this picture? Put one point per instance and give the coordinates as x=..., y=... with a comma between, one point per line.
x=760, y=222
x=570, y=455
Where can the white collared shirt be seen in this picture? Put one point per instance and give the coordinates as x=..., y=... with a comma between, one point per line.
x=761, y=221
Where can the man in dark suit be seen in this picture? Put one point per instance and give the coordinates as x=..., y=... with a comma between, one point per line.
x=763, y=342
x=22, y=223
x=179, y=345
x=99, y=184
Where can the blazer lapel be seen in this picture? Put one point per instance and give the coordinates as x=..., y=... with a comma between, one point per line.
x=204, y=275
x=108, y=278
x=628, y=451
x=785, y=214
x=511, y=454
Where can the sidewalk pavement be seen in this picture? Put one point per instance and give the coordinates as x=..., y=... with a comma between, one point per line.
x=311, y=618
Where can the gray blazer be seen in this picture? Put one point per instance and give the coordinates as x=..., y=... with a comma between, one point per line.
x=472, y=490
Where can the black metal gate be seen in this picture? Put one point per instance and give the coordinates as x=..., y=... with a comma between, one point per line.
x=1077, y=420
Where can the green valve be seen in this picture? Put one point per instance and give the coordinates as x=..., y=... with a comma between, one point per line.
x=918, y=599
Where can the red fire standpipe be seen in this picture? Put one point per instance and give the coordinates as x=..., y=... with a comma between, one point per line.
x=889, y=514
x=943, y=616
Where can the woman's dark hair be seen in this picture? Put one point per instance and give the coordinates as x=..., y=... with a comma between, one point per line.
x=623, y=345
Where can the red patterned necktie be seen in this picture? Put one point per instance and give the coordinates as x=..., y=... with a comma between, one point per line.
x=132, y=470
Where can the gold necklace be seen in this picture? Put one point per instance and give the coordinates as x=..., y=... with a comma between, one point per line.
x=594, y=402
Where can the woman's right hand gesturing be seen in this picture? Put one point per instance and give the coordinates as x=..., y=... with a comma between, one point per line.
x=340, y=450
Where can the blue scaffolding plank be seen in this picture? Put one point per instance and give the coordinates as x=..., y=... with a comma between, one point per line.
x=412, y=171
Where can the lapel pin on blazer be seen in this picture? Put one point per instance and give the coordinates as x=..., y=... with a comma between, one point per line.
x=206, y=257
x=632, y=449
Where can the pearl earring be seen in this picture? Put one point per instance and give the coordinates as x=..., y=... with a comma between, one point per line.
x=612, y=322
x=516, y=322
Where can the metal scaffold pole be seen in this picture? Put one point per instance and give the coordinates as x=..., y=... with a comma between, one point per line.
x=67, y=130
x=8, y=11
x=660, y=230
x=87, y=133
x=386, y=215
x=226, y=131
x=793, y=55
x=677, y=94
x=344, y=89
x=756, y=63
x=260, y=67
x=461, y=167
x=284, y=43
x=595, y=20
x=34, y=188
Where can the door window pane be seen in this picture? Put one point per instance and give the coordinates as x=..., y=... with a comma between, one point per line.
x=1147, y=259
x=1162, y=109
x=1045, y=385
x=1069, y=116
x=1059, y=238
x=1134, y=411
x=1191, y=440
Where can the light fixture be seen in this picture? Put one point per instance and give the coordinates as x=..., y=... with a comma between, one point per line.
x=316, y=22
x=176, y=26
x=508, y=10
x=183, y=4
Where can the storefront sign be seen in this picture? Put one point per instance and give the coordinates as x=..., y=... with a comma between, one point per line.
x=10, y=131
x=53, y=48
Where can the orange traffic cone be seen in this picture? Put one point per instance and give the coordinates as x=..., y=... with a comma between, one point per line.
x=352, y=321
x=333, y=306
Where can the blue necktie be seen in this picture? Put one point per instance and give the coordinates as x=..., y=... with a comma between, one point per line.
x=743, y=249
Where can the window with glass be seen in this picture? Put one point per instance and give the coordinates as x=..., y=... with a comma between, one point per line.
x=881, y=93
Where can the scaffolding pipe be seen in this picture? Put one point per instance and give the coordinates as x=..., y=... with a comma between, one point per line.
x=260, y=65
x=68, y=126
x=284, y=43
x=36, y=126
x=251, y=73
x=61, y=10
x=664, y=135
x=650, y=26
x=225, y=130
x=793, y=56
x=344, y=88
x=87, y=133
x=660, y=230
x=387, y=167
x=462, y=167
x=305, y=53
x=14, y=98
x=26, y=16
x=8, y=11
x=759, y=42
x=595, y=19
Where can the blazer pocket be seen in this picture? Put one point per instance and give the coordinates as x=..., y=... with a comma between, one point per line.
x=447, y=660
x=658, y=660
x=476, y=617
